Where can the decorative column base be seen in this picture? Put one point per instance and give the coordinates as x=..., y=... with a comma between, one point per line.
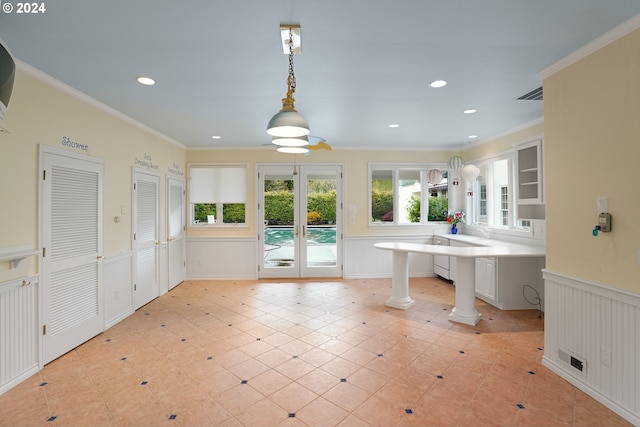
x=467, y=319
x=465, y=308
x=400, y=282
x=402, y=304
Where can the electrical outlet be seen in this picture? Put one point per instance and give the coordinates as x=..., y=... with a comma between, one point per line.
x=605, y=356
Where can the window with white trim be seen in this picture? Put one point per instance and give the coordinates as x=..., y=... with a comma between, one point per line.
x=401, y=194
x=217, y=194
x=491, y=204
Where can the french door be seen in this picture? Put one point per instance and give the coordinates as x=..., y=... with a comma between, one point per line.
x=300, y=220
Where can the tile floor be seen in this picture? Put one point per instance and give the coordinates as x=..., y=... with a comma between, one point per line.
x=305, y=353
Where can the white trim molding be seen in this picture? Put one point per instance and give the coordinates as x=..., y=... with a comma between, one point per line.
x=591, y=340
x=597, y=44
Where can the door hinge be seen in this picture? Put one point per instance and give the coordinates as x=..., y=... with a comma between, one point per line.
x=44, y=329
x=44, y=175
x=134, y=236
x=185, y=263
x=44, y=252
x=134, y=185
x=135, y=287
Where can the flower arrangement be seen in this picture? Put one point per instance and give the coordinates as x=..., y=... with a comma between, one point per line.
x=454, y=218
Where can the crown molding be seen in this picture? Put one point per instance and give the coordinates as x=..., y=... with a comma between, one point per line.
x=597, y=44
x=44, y=77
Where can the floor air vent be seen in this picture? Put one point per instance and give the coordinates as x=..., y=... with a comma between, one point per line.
x=534, y=95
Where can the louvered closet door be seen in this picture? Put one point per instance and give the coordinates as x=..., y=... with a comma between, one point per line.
x=145, y=238
x=72, y=240
x=176, y=230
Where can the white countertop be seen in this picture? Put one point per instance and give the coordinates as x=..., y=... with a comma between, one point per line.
x=483, y=248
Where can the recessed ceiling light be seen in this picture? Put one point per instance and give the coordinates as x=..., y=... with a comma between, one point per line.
x=216, y=137
x=394, y=125
x=147, y=81
x=473, y=136
x=470, y=111
x=438, y=83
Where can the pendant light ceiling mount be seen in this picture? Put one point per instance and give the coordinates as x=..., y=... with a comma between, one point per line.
x=288, y=123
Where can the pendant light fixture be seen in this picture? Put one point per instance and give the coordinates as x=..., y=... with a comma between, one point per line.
x=288, y=123
x=300, y=141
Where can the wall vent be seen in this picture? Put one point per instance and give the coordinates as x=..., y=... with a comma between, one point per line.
x=534, y=95
x=574, y=361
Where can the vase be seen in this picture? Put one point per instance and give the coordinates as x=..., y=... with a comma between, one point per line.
x=454, y=229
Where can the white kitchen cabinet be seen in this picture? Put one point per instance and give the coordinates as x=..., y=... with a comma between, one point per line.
x=499, y=281
x=529, y=173
x=486, y=278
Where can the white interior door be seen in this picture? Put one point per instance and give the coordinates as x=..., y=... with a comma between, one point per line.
x=176, y=225
x=71, y=217
x=145, y=237
x=300, y=218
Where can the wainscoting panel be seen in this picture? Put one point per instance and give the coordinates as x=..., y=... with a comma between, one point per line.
x=118, y=288
x=592, y=341
x=362, y=260
x=19, y=327
x=221, y=258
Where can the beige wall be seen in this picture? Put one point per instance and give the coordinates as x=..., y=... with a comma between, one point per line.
x=42, y=111
x=355, y=167
x=592, y=149
x=503, y=143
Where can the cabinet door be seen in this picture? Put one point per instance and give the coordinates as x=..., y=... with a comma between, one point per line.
x=486, y=277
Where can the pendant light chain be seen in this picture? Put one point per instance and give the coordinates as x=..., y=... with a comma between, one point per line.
x=291, y=80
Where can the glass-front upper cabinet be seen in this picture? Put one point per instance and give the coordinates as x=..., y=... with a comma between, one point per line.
x=529, y=173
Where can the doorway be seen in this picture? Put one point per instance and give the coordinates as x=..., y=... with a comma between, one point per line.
x=145, y=216
x=176, y=228
x=71, y=215
x=300, y=220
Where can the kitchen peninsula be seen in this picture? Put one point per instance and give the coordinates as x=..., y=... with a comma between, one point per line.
x=464, y=310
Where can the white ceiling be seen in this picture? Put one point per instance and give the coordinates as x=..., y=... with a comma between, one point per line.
x=365, y=64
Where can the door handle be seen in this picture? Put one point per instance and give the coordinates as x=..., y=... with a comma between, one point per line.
x=99, y=257
x=304, y=231
x=296, y=231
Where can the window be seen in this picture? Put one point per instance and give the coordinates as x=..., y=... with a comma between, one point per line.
x=402, y=195
x=217, y=194
x=504, y=205
x=491, y=204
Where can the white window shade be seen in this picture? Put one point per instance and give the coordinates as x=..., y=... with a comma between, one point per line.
x=215, y=184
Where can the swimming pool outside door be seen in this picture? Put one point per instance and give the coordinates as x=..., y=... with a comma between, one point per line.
x=300, y=230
